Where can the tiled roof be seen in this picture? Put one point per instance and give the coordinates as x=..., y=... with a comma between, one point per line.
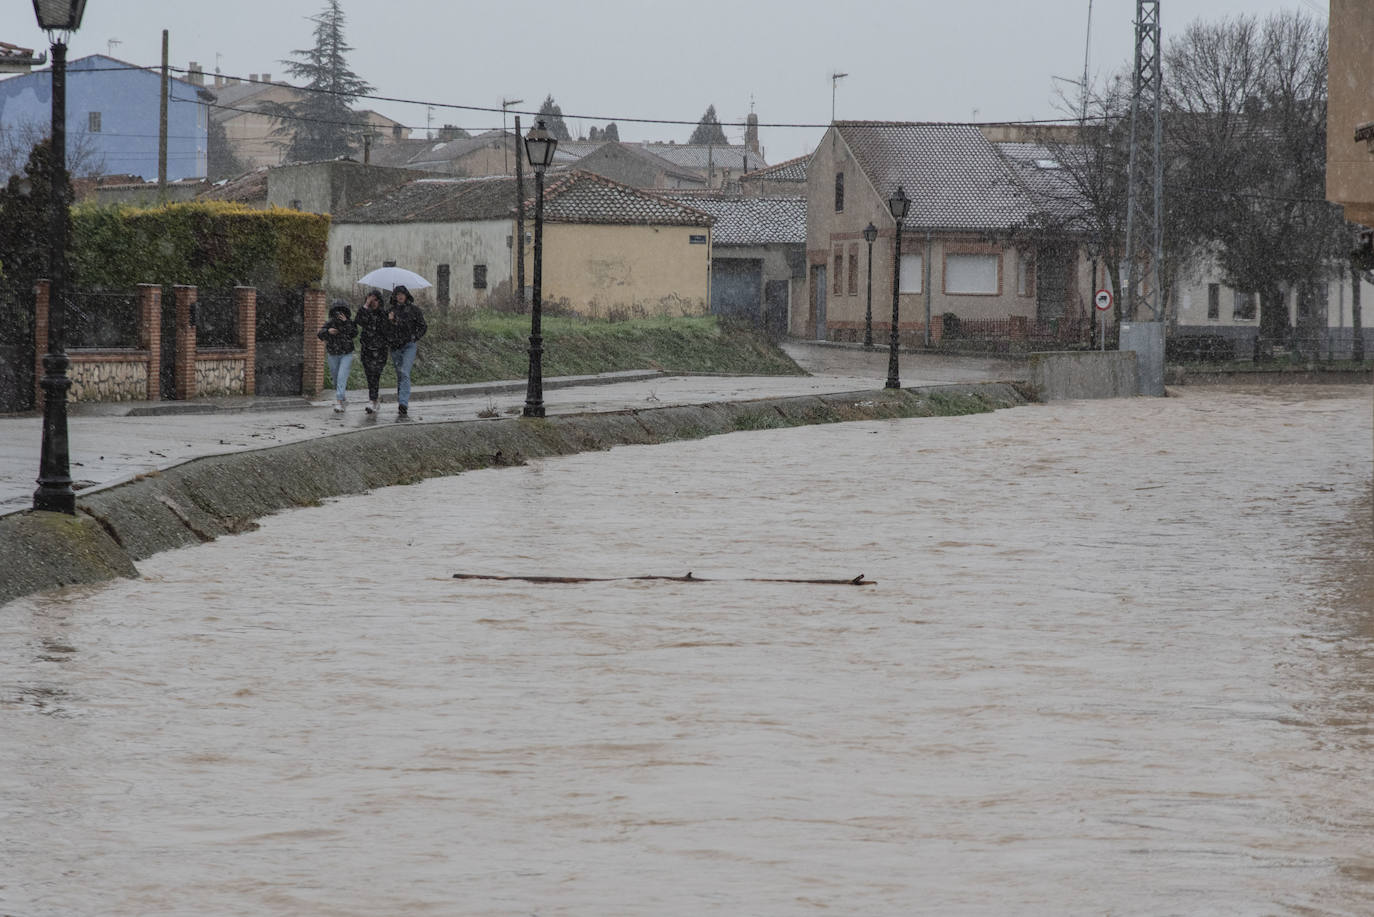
x=791, y=170
x=581, y=197
x=438, y=200
x=1050, y=184
x=571, y=197
x=735, y=158
x=251, y=187
x=752, y=220
x=955, y=177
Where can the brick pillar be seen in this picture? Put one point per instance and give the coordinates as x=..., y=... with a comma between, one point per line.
x=185, y=371
x=150, y=334
x=937, y=328
x=1020, y=328
x=246, y=307
x=40, y=339
x=312, y=375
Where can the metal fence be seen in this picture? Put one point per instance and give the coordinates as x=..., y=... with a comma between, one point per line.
x=102, y=320
x=217, y=323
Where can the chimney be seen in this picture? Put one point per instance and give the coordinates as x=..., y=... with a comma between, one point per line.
x=194, y=74
x=252, y=77
x=219, y=79
x=267, y=77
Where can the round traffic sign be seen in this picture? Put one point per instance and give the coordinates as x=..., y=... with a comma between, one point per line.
x=1103, y=300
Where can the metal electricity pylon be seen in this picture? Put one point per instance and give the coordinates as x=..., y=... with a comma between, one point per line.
x=1145, y=201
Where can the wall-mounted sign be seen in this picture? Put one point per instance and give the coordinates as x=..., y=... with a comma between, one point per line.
x=698, y=240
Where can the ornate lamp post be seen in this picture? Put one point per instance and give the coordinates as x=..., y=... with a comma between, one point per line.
x=898, y=204
x=539, y=149
x=54, y=493
x=870, y=235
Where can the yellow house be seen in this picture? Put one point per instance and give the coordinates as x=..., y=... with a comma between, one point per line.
x=609, y=250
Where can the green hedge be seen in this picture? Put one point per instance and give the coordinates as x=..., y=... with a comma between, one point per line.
x=213, y=245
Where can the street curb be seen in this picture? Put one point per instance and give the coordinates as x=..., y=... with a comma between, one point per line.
x=206, y=498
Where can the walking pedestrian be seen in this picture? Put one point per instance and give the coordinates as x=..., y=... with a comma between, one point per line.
x=406, y=325
x=373, y=346
x=338, y=334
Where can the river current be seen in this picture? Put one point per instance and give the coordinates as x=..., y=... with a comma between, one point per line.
x=1117, y=658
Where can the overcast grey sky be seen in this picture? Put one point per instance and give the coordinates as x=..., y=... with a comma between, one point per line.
x=919, y=60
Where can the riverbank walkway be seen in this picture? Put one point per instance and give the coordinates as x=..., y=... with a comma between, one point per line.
x=111, y=443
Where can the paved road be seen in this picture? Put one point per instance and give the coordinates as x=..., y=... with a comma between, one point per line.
x=114, y=442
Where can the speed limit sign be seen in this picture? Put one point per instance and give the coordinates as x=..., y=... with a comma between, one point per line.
x=1103, y=300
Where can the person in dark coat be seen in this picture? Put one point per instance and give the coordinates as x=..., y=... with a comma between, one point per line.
x=405, y=326
x=374, y=345
x=338, y=334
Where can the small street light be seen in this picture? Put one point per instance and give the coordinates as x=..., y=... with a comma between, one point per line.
x=539, y=149
x=898, y=204
x=870, y=235
x=54, y=492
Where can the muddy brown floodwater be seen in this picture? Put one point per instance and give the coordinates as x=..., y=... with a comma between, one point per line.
x=1119, y=659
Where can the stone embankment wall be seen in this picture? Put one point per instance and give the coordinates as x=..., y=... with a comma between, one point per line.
x=205, y=498
x=1059, y=376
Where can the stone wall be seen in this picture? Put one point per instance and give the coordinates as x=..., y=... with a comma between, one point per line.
x=221, y=373
x=108, y=377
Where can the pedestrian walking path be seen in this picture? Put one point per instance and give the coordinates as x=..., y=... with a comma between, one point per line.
x=111, y=443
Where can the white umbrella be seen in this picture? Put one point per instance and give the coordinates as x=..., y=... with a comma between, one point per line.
x=393, y=277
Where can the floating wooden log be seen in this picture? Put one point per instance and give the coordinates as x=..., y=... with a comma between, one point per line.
x=688, y=578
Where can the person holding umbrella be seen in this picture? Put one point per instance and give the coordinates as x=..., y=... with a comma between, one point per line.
x=405, y=326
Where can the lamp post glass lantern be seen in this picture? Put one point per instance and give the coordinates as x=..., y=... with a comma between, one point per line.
x=870, y=236
x=898, y=204
x=54, y=492
x=540, y=146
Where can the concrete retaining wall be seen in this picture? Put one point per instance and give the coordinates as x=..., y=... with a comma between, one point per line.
x=205, y=498
x=1060, y=376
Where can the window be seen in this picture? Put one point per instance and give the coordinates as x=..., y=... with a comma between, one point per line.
x=839, y=272
x=391, y=263
x=1025, y=274
x=1243, y=306
x=93, y=122
x=913, y=274
x=839, y=191
x=479, y=276
x=853, y=270
x=441, y=284
x=1214, y=301
x=348, y=255
x=972, y=275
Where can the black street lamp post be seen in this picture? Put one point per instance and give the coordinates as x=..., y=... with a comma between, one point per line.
x=539, y=148
x=870, y=235
x=898, y=204
x=54, y=492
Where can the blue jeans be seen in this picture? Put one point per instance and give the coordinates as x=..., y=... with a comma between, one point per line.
x=403, y=358
x=339, y=365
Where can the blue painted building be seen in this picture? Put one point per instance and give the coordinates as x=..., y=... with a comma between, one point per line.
x=113, y=109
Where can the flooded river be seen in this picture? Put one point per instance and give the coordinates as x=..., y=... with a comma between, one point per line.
x=1119, y=659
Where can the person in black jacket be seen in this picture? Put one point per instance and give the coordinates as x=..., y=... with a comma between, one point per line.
x=405, y=326
x=374, y=346
x=338, y=334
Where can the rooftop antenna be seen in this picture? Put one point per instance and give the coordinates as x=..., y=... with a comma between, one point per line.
x=1087, y=47
x=505, y=104
x=835, y=78
x=111, y=44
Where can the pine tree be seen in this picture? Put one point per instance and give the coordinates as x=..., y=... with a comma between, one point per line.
x=709, y=130
x=322, y=125
x=552, y=116
x=611, y=132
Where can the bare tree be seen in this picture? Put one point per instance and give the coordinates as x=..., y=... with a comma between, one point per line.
x=17, y=145
x=1246, y=144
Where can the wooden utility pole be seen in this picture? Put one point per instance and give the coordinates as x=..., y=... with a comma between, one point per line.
x=162, y=127
x=519, y=218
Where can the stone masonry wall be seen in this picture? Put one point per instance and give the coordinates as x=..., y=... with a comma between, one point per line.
x=221, y=374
